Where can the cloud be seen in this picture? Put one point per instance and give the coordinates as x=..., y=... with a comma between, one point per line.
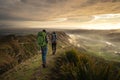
x=34, y=9
x=30, y=9
x=42, y=9
x=69, y=11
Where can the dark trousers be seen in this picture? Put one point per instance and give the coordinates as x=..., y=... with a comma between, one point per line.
x=54, y=47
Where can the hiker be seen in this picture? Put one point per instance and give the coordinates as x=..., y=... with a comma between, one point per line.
x=42, y=42
x=54, y=42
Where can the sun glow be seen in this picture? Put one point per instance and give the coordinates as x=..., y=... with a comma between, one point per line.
x=101, y=22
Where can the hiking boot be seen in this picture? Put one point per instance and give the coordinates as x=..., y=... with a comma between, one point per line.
x=44, y=65
x=53, y=52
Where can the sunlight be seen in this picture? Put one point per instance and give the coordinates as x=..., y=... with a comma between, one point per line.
x=102, y=26
x=99, y=22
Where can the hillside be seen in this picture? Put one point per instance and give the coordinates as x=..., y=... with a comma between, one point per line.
x=75, y=65
x=16, y=49
x=72, y=62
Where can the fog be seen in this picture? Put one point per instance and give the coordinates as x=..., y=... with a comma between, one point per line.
x=97, y=44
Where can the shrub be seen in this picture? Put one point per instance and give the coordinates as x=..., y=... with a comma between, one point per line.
x=77, y=66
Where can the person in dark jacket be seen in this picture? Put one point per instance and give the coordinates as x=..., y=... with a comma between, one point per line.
x=54, y=42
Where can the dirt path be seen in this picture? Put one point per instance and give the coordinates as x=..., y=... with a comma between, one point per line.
x=43, y=73
x=32, y=69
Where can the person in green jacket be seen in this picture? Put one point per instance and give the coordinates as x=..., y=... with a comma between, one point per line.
x=42, y=42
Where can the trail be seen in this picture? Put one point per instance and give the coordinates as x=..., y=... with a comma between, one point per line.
x=43, y=73
x=32, y=69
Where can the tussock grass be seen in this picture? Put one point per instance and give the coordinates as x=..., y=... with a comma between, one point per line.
x=77, y=66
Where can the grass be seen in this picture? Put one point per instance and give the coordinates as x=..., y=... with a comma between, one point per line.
x=105, y=55
x=24, y=70
x=69, y=65
x=14, y=50
x=79, y=66
x=31, y=69
x=17, y=52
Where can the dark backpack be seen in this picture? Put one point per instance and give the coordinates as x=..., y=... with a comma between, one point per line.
x=54, y=38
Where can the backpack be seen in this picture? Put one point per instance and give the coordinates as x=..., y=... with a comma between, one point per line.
x=42, y=39
x=54, y=38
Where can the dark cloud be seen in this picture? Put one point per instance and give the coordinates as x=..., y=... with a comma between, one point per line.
x=39, y=9
x=24, y=1
x=56, y=1
x=27, y=9
x=4, y=26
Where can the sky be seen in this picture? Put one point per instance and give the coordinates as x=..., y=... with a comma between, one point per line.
x=63, y=14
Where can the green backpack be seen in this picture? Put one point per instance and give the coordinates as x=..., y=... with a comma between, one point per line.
x=41, y=39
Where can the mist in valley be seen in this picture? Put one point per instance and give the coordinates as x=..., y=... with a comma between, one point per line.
x=105, y=44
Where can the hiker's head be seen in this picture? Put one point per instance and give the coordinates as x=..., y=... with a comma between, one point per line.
x=44, y=30
x=54, y=32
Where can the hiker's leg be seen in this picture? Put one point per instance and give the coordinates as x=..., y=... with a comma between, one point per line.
x=44, y=56
x=45, y=53
x=54, y=48
x=42, y=50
